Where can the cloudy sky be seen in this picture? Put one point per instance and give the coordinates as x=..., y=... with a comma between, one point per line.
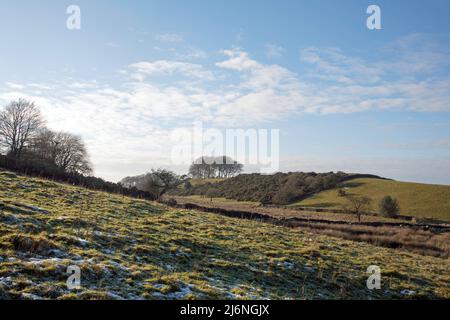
x=343, y=97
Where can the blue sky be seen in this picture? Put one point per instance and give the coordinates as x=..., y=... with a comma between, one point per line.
x=344, y=97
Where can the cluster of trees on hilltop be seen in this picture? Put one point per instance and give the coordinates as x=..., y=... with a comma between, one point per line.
x=215, y=167
x=160, y=181
x=24, y=136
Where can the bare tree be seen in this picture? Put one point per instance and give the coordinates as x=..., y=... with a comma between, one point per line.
x=161, y=181
x=359, y=205
x=19, y=122
x=64, y=150
x=71, y=153
x=156, y=182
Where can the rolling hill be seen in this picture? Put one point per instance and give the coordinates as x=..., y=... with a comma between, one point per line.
x=135, y=249
x=416, y=199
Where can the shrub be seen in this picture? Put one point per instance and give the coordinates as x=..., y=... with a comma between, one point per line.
x=212, y=193
x=266, y=200
x=389, y=206
x=358, y=205
x=187, y=185
x=171, y=202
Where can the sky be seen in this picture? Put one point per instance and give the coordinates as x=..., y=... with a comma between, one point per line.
x=343, y=97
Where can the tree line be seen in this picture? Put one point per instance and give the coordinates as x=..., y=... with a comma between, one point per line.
x=27, y=146
x=24, y=136
x=215, y=167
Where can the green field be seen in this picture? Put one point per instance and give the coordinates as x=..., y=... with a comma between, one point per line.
x=135, y=249
x=416, y=199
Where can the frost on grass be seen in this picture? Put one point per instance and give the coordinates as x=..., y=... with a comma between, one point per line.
x=133, y=249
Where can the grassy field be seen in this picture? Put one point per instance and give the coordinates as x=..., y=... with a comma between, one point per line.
x=134, y=249
x=280, y=212
x=416, y=199
x=397, y=233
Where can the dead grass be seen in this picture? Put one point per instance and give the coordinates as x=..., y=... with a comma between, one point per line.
x=29, y=244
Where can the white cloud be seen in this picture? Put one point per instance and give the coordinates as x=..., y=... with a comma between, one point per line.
x=331, y=64
x=238, y=60
x=191, y=53
x=274, y=51
x=169, y=37
x=13, y=85
x=166, y=67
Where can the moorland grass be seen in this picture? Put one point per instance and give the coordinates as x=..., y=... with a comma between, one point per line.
x=134, y=249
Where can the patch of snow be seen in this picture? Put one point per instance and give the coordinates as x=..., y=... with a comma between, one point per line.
x=6, y=281
x=57, y=253
x=407, y=292
x=41, y=261
x=169, y=267
x=109, y=251
x=37, y=209
x=33, y=208
x=11, y=219
x=309, y=269
x=184, y=291
x=118, y=265
x=286, y=264
x=83, y=242
x=159, y=285
x=31, y=296
x=114, y=296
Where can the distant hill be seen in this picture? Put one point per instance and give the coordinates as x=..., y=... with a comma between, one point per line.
x=279, y=188
x=416, y=199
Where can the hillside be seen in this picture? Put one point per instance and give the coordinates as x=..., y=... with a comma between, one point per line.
x=279, y=188
x=135, y=249
x=420, y=200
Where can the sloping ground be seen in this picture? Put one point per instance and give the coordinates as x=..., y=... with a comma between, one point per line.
x=423, y=238
x=416, y=199
x=127, y=248
x=278, y=188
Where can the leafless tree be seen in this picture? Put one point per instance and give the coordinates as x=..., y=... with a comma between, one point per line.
x=358, y=205
x=72, y=155
x=19, y=122
x=156, y=182
x=63, y=150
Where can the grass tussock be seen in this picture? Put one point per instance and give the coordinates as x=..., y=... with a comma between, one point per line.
x=29, y=244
